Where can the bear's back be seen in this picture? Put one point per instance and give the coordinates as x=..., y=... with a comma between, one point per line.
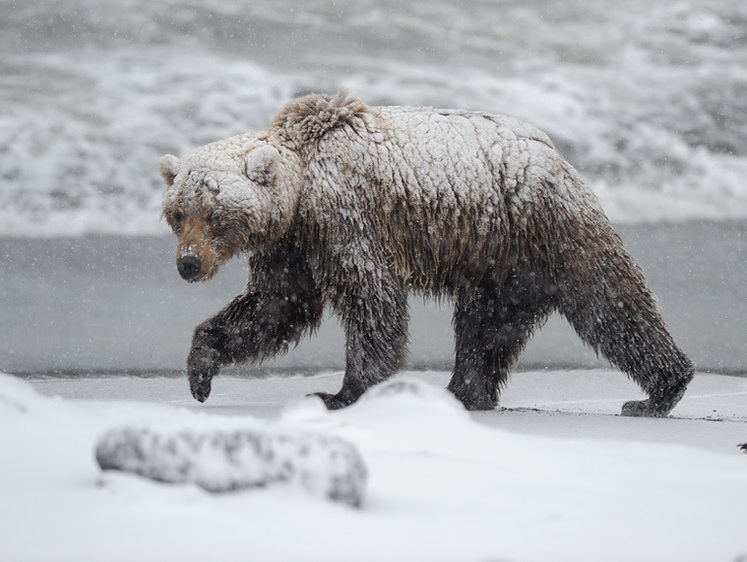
x=442, y=192
x=473, y=156
x=480, y=124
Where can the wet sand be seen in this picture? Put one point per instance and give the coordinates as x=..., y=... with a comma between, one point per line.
x=113, y=304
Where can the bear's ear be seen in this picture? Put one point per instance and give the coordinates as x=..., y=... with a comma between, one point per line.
x=262, y=163
x=168, y=166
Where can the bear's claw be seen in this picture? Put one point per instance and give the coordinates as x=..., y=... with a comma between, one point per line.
x=641, y=408
x=333, y=401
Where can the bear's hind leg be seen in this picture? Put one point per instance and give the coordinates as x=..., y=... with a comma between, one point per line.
x=604, y=296
x=492, y=326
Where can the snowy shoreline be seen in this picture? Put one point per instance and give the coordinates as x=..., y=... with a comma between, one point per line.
x=554, y=475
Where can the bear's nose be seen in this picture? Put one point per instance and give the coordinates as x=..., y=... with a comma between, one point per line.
x=189, y=267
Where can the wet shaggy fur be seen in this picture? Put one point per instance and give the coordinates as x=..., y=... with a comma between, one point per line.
x=341, y=204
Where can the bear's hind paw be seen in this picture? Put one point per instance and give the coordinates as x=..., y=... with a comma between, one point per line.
x=662, y=401
x=642, y=408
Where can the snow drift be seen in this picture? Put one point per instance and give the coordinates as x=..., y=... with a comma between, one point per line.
x=551, y=477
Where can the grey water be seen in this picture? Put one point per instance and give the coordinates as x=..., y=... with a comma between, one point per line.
x=647, y=99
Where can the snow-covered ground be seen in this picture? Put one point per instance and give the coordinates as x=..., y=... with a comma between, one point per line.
x=553, y=475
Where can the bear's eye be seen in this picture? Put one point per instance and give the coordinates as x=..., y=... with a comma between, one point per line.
x=213, y=217
x=177, y=216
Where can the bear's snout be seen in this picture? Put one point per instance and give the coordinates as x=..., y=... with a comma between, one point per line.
x=189, y=268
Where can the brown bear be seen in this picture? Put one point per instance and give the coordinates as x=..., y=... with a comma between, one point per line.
x=354, y=206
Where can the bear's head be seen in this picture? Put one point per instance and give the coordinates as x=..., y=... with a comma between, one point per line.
x=235, y=195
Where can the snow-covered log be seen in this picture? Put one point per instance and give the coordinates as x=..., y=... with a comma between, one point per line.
x=228, y=460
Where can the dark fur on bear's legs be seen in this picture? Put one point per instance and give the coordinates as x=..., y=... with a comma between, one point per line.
x=603, y=294
x=259, y=323
x=375, y=316
x=492, y=326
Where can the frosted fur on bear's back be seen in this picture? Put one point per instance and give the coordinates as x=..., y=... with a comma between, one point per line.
x=438, y=189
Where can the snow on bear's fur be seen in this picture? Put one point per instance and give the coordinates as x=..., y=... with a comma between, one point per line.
x=338, y=203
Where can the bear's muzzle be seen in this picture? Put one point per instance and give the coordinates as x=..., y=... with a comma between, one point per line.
x=189, y=268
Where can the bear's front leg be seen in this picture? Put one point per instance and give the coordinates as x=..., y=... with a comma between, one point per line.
x=282, y=306
x=204, y=361
x=374, y=313
x=215, y=343
x=253, y=327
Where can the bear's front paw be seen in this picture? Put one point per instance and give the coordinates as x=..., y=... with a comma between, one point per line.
x=333, y=401
x=202, y=366
x=200, y=387
x=641, y=408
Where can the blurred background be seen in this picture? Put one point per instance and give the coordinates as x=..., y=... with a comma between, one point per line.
x=647, y=99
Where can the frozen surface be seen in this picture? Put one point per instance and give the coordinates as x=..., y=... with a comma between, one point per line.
x=647, y=99
x=553, y=475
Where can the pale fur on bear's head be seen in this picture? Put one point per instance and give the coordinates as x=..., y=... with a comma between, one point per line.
x=227, y=197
